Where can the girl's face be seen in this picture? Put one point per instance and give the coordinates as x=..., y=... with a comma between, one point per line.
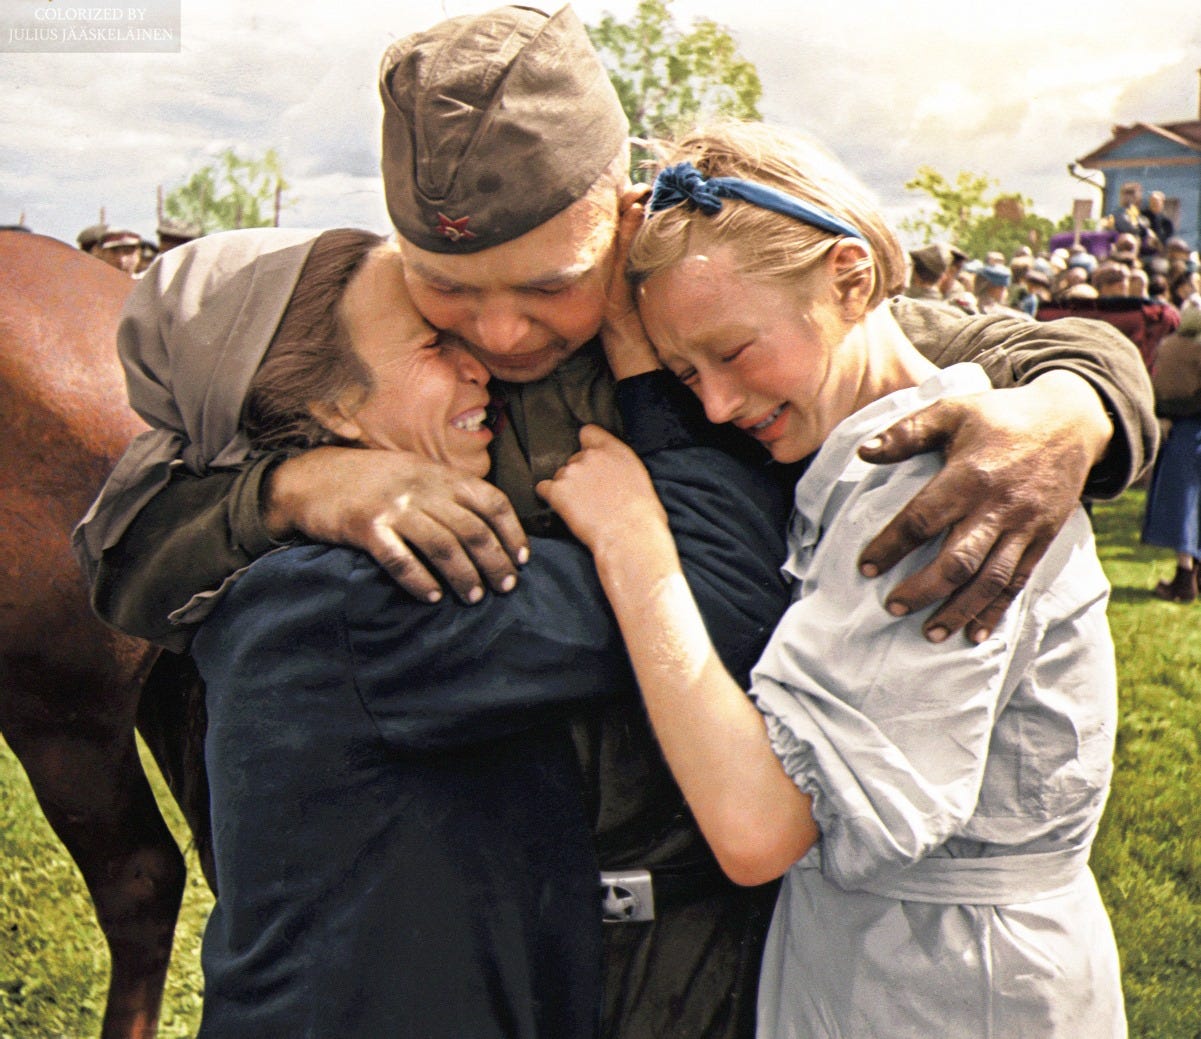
x=430, y=395
x=762, y=355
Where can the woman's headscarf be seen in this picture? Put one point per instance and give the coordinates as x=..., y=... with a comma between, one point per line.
x=191, y=337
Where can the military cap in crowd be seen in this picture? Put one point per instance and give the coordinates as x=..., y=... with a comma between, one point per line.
x=931, y=261
x=493, y=124
x=115, y=239
x=175, y=232
x=995, y=274
x=90, y=236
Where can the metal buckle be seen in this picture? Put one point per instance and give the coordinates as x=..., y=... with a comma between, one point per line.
x=629, y=896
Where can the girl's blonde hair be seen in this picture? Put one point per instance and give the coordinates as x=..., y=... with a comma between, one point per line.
x=768, y=245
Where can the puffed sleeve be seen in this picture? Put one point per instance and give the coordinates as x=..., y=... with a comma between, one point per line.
x=887, y=732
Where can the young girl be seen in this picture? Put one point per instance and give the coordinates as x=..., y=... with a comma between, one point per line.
x=930, y=807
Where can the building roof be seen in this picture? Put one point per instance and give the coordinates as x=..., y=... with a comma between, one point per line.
x=1185, y=134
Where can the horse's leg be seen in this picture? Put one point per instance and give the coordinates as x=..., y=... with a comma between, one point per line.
x=88, y=779
x=172, y=721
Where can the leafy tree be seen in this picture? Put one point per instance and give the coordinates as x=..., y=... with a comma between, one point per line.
x=668, y=79
x=968, y=213
x=233, y=192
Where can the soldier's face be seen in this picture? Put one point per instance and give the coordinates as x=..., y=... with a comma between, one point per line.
x=123, y=257
x=525, y=306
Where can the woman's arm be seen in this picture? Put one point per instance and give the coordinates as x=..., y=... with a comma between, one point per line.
x=329, y=622
x=755, y=819
x=873, y=738
x=443, y=675
x=197, y=531
x=727, y=511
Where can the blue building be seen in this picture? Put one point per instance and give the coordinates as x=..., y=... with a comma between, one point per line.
x=1161, y=157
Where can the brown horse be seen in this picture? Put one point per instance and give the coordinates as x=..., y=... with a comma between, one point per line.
x=70, y=687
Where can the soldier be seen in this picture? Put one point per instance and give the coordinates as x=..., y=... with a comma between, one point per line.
x=935, y=270
x=89, y=238
x=175, y=232
x=121, y=249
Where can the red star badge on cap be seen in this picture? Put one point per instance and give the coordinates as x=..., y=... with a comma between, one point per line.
x=455, y=230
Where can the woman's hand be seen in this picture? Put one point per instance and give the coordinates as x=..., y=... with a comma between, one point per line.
x=394, y=505
x=605, y=495
x=1016, y=463
x=627, y=348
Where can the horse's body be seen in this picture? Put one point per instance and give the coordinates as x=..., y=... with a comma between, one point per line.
x=70, y=687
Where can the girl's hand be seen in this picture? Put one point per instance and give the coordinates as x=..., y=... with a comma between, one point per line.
x=627, y=348
x=604, y=494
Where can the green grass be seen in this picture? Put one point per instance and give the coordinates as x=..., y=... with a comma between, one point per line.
x=53, y=959
x=53, y=962
x=1148, y=855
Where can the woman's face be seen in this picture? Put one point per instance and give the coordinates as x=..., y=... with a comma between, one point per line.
x=762, y=355
x=430, y=395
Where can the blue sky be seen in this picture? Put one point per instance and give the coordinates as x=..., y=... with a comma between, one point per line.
x=1015, y=91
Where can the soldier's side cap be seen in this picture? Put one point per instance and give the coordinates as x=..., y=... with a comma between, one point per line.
x=120, y=238
x=933, y=260
x=178, y=229
x=493, y=124
x=90, y=235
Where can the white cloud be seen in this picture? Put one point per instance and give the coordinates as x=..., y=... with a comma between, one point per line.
x=1014, y=92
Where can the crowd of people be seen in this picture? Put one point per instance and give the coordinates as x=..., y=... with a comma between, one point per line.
x=130, y=252
x=1167, y=274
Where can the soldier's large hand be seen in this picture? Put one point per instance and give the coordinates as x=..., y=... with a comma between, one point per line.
x=414, y=516
x=1016, y=463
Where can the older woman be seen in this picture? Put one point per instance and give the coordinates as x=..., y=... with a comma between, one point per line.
x=930, y=808
x=401, y=840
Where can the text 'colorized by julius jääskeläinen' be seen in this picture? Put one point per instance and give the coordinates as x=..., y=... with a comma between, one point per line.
x=153, y=26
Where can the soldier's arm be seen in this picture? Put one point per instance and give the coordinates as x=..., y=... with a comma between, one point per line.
x=1076, y=417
